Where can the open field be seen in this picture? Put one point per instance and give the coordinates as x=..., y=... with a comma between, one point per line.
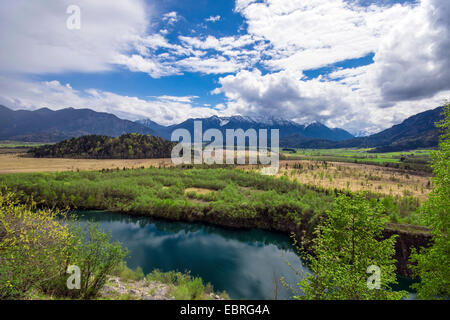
x=416, y=159
x=13, y=163
x=341, y=176
x=14, y=147
x=357, y=177
x=19, y=144
x=16, y=161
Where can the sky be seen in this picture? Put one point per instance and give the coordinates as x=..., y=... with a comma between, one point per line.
x=361, y=65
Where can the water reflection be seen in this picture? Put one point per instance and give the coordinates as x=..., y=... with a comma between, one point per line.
x=247, y=264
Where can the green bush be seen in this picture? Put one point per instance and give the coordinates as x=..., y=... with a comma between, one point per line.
x=125, y=273
x=183, y=285
x=97, y=258
x=34, y=247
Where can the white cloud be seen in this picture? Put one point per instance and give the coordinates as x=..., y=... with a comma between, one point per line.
x=311, y=34
x=219, y=44
x=229, y=55
x=210, y=65
x=252, y=93
x=186, y=99
x=34, y=37
x=413, y=60
x=410, y=73
x=171, y=17
x=348, y=103
x=25, y=94
x=154, y=68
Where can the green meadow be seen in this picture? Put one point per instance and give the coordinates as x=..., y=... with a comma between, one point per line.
x=228, y=195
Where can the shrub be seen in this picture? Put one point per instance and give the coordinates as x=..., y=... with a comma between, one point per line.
x=34, y=247
x=183, y=285
x=97, y=258
x=125, y=273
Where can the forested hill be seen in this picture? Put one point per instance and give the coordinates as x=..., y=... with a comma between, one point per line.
x=127, y=146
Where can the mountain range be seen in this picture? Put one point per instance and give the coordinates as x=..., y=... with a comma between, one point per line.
x=418, y=131
x=45, y=125
x=286, y=127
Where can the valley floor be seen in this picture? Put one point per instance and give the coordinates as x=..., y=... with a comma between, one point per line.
x=339, y=175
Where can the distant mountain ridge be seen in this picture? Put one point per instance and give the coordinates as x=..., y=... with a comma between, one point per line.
x=286, y=127
x=45, y=125
x=418, y=131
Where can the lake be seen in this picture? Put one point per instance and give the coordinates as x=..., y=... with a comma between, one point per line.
x=247, y=264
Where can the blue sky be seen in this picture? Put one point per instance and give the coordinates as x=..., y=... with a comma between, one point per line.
x=346, y=63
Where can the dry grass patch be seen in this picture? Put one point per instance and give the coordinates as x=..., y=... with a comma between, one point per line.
x=357, y=177
x=354, y=176
x=14, y=163
x=198, y=190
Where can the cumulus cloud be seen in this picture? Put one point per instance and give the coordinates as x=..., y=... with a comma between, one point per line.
x=220, y=44
x=186, y=99
x=413, y=60
x=311, y=34
x=252, y=93
x=210, y=65
x=152, y=67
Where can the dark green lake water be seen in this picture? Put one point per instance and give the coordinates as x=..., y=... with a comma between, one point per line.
x=247, y=264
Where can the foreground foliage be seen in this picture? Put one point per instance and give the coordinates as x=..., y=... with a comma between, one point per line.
x=347, y=244
x=36, y=249
x=432, y=264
